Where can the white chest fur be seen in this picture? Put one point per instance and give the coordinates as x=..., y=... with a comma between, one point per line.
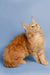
x=37, y=41
x=37, y=36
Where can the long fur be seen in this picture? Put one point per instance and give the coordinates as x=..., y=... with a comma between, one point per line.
x=30, y=42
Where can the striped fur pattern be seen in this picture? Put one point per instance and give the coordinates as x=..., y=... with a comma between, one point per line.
x=30, y=42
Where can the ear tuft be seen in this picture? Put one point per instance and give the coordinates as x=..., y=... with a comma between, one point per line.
x=32, y=19
x=25, y=26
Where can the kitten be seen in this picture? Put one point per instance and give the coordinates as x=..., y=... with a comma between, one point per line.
x=30, y=42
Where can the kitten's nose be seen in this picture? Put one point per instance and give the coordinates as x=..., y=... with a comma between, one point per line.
x=36, y=25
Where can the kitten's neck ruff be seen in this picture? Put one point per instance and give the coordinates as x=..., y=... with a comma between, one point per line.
x=30, y=36
x=34, y=37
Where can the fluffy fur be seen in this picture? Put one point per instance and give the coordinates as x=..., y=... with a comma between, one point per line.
x=30, y=42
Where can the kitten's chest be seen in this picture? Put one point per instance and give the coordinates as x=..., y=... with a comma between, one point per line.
x=37, y=40
x=37, y=37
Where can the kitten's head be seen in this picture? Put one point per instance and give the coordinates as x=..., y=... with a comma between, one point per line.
x=32, y=28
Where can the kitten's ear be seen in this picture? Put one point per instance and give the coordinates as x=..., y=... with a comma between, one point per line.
x=32, y=19
x=25, y=26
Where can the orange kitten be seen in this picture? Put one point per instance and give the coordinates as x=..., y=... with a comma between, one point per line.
x=30, y=42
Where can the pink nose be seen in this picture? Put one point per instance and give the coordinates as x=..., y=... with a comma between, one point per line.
x=36, y=25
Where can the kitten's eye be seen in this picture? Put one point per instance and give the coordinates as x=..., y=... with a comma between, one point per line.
x=32, y=26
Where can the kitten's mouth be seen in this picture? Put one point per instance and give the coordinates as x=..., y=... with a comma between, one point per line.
x=36, y=30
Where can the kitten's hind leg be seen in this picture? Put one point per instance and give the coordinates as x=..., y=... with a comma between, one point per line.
x=42, y=57
x=22, y=62
x=13, y=56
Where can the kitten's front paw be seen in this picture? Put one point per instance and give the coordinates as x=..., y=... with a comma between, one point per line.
x=45, y=63
x=38, y=61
